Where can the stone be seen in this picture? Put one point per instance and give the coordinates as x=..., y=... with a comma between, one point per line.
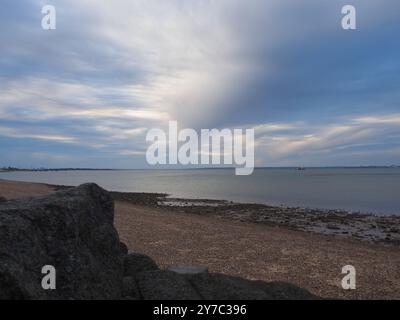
x=285, y=291
x=71, y=230
x=2, y=199
x=130, y=289
x=223, y=287
x=165, y=285
x=135, y=263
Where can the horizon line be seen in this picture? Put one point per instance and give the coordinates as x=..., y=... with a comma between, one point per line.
x=10, y=169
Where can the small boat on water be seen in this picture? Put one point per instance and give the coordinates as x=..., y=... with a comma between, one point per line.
x=301, y=169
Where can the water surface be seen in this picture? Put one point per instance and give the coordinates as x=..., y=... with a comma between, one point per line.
x=373, y=190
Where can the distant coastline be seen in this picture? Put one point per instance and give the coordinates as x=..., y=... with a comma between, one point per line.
x=16, y=169
x=12, y=169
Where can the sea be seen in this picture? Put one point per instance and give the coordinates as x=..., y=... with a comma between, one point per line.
x=368, y=190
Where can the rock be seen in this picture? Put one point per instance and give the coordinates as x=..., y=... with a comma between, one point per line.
x=2, y=199
x=71, y=230
x=222, y=287
x=165, y=285
x=284, y=291
x=135, y=263
x=130, y=289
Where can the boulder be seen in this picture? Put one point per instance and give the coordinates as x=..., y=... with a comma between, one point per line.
x=135, y=263
x=169, y=285
x=71, y=230
x=285, y=291
x=165, y=285
x=130, y=289
x=223, y=287
x=2, y=199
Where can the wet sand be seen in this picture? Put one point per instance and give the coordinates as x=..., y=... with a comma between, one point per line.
x=177, y=236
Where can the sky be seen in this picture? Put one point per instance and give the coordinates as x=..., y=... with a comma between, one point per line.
x=86, y=94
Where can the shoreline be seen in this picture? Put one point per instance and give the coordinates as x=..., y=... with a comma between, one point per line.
x=374, y=200
x=366, y=227
x=339, y=223
x=383, y=229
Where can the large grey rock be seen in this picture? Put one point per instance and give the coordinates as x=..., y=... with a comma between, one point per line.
x=71, y=230
x=130, y=289
x=169, y=285
x=222, y=287
x=135, y=263
x=285, y=291
x=165, y=285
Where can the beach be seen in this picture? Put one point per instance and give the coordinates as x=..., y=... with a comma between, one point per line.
x=305, y=249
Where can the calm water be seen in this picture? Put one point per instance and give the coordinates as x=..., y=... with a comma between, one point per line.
x=359, y=189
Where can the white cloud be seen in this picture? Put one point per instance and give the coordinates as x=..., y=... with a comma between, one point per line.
x=308, y=140
x=380, y=119
x=131, y=153
x=26, y=134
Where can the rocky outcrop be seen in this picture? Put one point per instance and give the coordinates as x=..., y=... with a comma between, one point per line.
x=135, y=263
x=165, y=285
x=223, y=287
x=73, y=231
x=168, y=285
x=130, y=289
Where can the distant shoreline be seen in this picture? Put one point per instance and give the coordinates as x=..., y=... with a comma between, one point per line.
x=195, y=168
x=56, y=169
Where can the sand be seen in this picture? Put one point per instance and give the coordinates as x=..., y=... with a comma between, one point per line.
x=13, y=190
x=250, y=250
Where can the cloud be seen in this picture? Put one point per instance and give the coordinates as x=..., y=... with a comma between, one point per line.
x=114, y=68
x=354, y=141
x=131, y=153
x=380, y=119
x=11, y=132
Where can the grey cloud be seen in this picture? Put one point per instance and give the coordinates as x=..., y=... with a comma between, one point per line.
x=125, y=65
